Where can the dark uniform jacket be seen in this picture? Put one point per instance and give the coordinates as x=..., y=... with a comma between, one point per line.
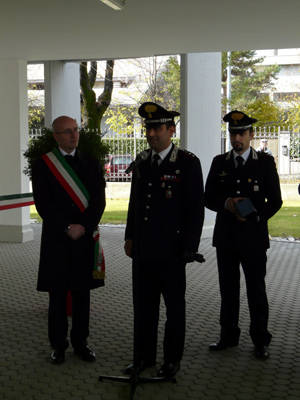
x=67, y=263
x=257, y=180
x=166, y=207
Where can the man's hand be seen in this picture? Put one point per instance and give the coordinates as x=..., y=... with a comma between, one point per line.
x=75, y=231
x=230, y=206
x=128, y=247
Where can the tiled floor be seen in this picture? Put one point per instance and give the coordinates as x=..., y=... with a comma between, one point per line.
x=26, y=373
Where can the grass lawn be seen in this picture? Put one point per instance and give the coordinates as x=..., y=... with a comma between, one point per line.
x=115, y=212
x=285, y=223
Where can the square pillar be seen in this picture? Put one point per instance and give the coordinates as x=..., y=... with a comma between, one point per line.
x=62, y=91
x=14, y=223
x=200, y=121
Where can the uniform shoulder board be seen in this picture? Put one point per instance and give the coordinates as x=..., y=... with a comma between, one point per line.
x=143, y=155
x=228, y=155
x=188, y=153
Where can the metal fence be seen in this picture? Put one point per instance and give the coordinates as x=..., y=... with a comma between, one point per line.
x=122, y=150
x=284, y=144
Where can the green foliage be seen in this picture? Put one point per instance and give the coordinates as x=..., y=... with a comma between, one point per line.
x=248, y=80
x=292, y=113
x=36, y=108
x=121, y=119
x=36, y=117
x=295, y=147
x=89, y=144
x=171, y=89
x=265, y=111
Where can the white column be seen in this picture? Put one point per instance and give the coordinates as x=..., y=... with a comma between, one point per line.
x=14, y=223
x=200, y=120
x=62, y=90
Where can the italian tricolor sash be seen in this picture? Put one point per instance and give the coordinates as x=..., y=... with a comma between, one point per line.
x=15, y=201
x=68, y=178
x=72, y=184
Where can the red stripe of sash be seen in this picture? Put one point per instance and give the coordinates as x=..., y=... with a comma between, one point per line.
x=64, y=183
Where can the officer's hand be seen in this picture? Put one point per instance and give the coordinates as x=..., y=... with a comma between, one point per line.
x=189, y=257
x=75, y=231
x=238, y=217
x=230, y=206
x=128, y=247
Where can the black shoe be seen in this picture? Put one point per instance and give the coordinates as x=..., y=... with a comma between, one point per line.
x=261, y=352
x=57, y=356
x=136, y=368
x=168, y=370
x=222, y=345
x=85, y=353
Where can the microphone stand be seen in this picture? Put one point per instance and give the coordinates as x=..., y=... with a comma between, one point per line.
x=134, y=379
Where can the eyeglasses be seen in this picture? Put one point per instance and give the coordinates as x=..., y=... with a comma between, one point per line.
x=69, y=131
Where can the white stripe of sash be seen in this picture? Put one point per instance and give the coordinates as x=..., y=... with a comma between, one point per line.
x=68, y=178
x=15, y=201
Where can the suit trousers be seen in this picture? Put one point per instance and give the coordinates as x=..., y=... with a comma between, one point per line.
x=58, y=320
x=253, y=262
x=151, y=278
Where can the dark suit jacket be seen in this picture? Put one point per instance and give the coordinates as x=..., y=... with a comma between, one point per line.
x=166, y=208
x=63, y=262
x=257, y=180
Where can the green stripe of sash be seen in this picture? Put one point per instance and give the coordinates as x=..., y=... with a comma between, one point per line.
x=15, y=196
x=70, y=170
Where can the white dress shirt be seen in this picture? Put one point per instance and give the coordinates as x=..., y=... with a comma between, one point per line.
x=162, y=155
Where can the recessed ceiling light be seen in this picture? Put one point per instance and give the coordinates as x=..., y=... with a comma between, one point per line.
x=115, y=4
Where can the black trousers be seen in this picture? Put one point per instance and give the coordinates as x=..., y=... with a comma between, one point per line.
x=254, y=266
x=58, y=320
x=151, y=279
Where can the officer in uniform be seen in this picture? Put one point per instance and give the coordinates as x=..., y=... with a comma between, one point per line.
x=163, y=230
x=243, y=188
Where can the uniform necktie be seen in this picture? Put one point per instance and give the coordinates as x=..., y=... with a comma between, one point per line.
x=240, y=162
x=155, y=160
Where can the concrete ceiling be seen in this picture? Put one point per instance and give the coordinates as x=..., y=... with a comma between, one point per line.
x=38, y=30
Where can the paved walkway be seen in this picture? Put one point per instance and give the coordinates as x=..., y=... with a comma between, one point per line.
x=26, y=373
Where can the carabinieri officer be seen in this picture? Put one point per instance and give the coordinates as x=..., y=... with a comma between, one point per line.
x=243, y=188
x=164, y=226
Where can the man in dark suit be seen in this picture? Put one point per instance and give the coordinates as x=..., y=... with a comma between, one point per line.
x=69, y=194
x=164, y=226
x=243, y=188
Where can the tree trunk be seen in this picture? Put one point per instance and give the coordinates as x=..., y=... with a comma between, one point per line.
x=94, y=109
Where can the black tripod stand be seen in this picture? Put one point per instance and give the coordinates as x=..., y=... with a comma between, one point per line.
x=134, y=379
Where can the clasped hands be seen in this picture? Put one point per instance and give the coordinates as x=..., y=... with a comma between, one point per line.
x=230, y=205
x=75, y=231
